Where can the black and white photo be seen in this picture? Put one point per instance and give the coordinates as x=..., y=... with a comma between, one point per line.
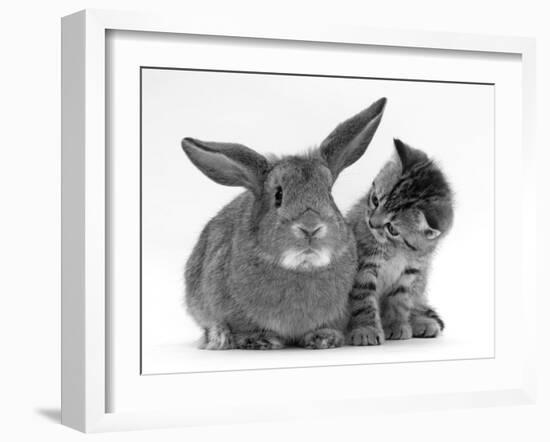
x=306, y=211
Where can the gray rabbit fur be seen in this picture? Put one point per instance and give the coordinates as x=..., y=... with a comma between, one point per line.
x=275, y=266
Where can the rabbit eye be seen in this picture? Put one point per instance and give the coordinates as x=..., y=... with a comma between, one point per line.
x=391, y=230
x=278, y=196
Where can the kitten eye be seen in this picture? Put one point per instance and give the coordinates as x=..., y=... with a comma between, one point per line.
x=278, y=196
x=391, y=230
x=375, y=200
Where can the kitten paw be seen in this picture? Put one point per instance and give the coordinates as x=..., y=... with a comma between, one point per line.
x=323, y=338
x=426, y=328
x=398, y=330
x=369, y=335
x=258, y=341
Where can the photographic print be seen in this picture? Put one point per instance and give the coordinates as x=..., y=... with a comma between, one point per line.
x=295, y=220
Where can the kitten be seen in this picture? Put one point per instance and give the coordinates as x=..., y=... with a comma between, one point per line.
x=398, y=225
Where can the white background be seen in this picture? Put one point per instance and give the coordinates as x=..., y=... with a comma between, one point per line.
x=29, y=175
x=284, y=114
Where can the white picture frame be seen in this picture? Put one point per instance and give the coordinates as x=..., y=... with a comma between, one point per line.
x=86, y=353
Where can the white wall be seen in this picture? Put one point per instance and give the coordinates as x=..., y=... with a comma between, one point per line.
x=29, y=225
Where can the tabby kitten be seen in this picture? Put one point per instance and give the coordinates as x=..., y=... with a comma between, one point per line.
x=398, y=225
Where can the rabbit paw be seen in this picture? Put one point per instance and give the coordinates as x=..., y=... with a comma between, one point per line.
x=426, y=328
x=368, y=335
x=217, y=337
x=398, y=330
x=258, y=341
x=323, y=338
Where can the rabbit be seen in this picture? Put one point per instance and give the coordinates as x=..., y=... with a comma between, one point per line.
x=275, y=266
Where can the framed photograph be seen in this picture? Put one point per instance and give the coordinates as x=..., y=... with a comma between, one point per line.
x=263, y=222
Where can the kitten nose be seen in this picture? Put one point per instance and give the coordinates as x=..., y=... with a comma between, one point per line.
x=376, y=221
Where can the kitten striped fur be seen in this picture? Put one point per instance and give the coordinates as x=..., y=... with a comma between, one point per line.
x=398, y=226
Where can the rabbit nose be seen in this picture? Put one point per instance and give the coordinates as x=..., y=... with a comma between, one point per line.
x=309, y=231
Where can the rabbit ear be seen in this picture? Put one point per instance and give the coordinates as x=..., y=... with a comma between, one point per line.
x=408, y=155
x=227, y=163
x=345, y=144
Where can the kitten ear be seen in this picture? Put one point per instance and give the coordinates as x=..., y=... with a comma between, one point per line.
x=408, y=155
x=423, y=225
x=431, y=233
